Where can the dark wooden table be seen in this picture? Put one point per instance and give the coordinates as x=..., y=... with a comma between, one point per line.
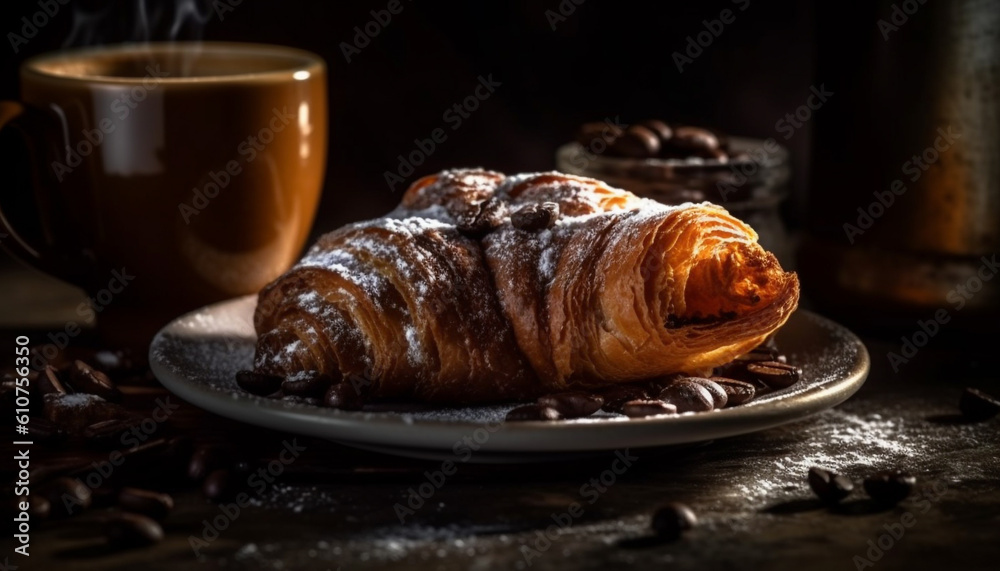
x=334, y=507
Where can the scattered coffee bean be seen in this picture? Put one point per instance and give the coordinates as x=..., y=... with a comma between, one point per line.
x=719, y=395
x=258, y=383
x=109, y=432
x=125, y=530
x=663, y=131
x=483, y=219
x=307, y=384
x=737, y=392
x=758, y=354
x=67, y=496
x=597, y=137
x=647, y=407
x=574, y=404
x=688, y=397
x=535, y=217
x=693, y=141
x=890, y=487
x=86, y=379
x=145, y=502
x=637, y=142
x=43, y=431
x=344, y=397
x=218, y=486
x=616, y=397
x=533, y=412
x=119, y=363
x=49, y=382
x=977, y=405
x=774, y=374
x=672, y=520
x=830, y=487
x=718, y=155
x=39, y=507
x=206, y=459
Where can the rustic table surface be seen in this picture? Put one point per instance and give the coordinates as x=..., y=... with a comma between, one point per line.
x=333, y=507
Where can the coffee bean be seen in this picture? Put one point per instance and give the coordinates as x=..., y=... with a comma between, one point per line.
x=688, y=397
x=43, y=431
x=120, y=363
x=258, y=383
x=307, y=384
x=830, y=487
x=206, y=459
x=218, y=486
x=535, y=217
x=39, y=507
x=574, y=404
x=637, y=142
x=718, y=155
x=86, y=379
x=774, y=374
x=663, y=131
x=344, y=397
x=125, y=530
x=482, y=219
x=719, y=395
x=890, y=487
x=533, y=412
x=145, y=502
x=109, y=432
x=758, y=354
x=67, y=496
x=737, y=392
x=672, y=520
x=616, y=396
x=977, y=405
x=693, y=141
x=647, y=407
x=597, y=137
x=49, y=382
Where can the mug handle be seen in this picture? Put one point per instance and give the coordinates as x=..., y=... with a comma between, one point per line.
x=31, y=127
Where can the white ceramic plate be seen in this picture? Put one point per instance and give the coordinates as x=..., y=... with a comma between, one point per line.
x=197, y=356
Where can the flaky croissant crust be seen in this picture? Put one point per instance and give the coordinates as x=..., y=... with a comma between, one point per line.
x=429, y=304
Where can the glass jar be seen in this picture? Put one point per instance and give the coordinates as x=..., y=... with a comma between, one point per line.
x=751, y=184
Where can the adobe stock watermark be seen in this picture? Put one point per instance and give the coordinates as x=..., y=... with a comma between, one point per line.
x=787, y=125
x=463, y=449
x=133, y=439
x=247, y=151
x=698, y=43
x=454, y=117
x=958, y=297
x=363, y=35
x=33, y=23
x=895, y=531
x=562, y=12
x=915, y=167
x=591, y=491
x=121, y=108
x=258, y=482
x=898, y=17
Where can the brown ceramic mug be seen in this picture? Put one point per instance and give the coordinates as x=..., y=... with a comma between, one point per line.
x=165, y=176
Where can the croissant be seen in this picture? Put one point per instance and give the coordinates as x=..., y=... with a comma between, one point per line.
x=452, y=298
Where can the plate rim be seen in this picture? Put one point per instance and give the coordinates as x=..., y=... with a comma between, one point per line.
x=574, y=435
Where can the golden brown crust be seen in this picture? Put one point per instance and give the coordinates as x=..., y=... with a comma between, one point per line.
x=620, y=289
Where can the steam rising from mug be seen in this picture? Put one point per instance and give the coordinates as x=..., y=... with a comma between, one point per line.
x=145, y=21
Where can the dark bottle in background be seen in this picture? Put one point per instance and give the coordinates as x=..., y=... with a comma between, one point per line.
x=912, y=139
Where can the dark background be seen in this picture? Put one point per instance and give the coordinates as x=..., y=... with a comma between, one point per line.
x=606, y=59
